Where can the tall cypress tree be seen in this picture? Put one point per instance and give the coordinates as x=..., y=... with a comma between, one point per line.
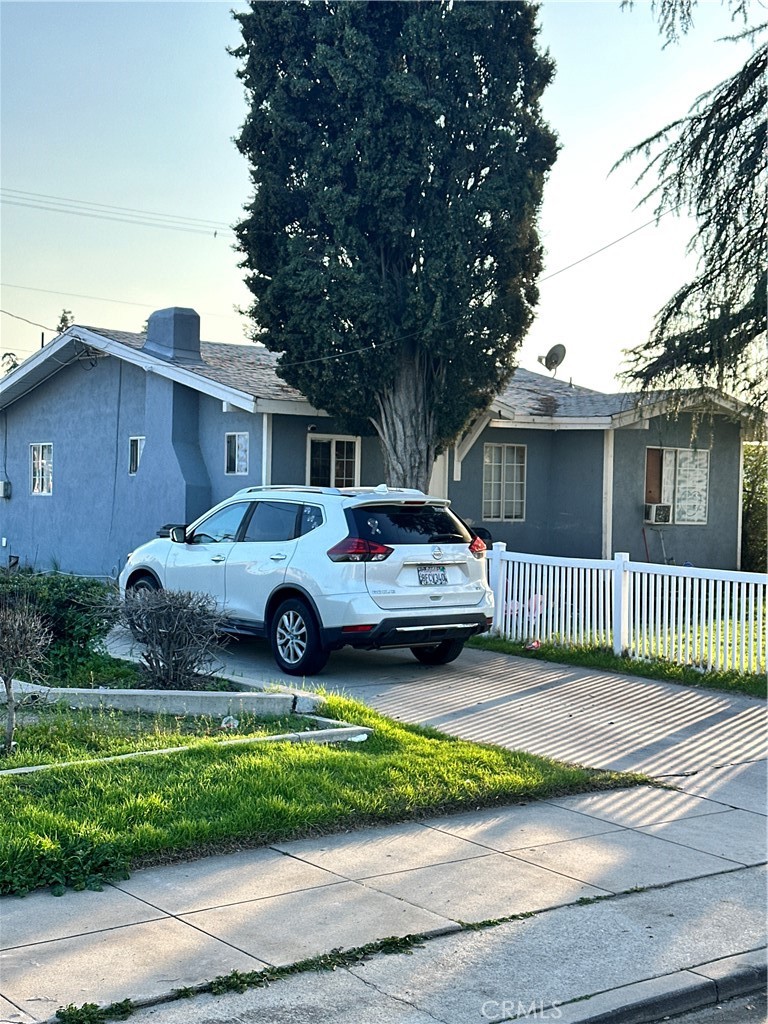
x=397, y=155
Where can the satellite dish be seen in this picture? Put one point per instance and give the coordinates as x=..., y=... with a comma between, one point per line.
x=554, y=357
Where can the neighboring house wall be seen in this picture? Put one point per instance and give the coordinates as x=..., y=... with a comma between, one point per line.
x=563, y=491
x=713, y=544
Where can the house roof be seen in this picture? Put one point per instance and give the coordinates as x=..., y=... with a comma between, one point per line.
x=245, y=376
x=533, y=394
x=246, y=368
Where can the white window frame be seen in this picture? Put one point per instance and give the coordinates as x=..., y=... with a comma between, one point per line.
x=503, y=518
x=45, y=471
x=670, y=481
x=237, y=434
x=136, y=442
x=312, y=437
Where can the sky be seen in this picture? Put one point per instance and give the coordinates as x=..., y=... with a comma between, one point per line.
x=128, y=111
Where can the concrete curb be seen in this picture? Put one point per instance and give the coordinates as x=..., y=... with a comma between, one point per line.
x=640, y=1003
x=691, y=989
x=187, y=702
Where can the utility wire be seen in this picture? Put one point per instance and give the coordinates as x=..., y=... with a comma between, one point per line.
x=15, y=317
x=120, y=220
x=16, y=193
x=548, y=277
x=376, y=345
x=99, y=298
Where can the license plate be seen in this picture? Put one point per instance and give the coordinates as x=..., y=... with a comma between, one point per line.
x=432, y=575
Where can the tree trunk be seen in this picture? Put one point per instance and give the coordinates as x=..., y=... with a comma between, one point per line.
x=10, y=715
x=406, y=425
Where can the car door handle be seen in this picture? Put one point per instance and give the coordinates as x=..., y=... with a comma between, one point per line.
x=218, y=558
x=278, y=558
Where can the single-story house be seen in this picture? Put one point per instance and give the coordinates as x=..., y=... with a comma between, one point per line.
x=106, y=436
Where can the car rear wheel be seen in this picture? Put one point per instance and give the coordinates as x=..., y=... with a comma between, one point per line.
x=295, y=639
x=439, y=654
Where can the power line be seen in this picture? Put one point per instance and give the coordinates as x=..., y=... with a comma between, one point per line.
x=15, y=317
x=16, y=192
x=365, y=348
x=100, y=298
x=50, y=208
x=616, y=241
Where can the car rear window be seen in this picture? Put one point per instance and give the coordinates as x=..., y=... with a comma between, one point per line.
x=408, y=524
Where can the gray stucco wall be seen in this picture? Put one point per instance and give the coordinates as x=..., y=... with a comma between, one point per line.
x=713, y=545
x=98, y=512
x=95, y=513
x=563, y=509
x=289, y=450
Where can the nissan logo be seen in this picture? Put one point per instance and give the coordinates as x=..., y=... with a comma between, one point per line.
x=437, y=554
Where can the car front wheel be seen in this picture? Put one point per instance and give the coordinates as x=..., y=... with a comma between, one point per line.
x=439, y=654
x=143, y=583
x=295, y=638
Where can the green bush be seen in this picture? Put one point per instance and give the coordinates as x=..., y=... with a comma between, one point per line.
x=78, y=613
x=754, y=535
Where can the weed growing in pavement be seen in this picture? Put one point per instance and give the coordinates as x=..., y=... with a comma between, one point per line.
x=90, y=1013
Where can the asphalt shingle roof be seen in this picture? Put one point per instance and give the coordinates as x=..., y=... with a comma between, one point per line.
x=247, y=368
x=251, y=369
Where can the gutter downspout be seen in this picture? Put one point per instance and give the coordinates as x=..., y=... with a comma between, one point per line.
x=266, y=449
x=608, y=442
x=740, y=509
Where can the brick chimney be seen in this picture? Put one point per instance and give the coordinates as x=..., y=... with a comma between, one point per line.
x=174, y=334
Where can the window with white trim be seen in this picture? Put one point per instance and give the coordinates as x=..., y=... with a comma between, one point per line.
x=679, y=477
x=135, y=448
x=504, y=482
x=41, y=468
x=236, y=454
x=333, y=461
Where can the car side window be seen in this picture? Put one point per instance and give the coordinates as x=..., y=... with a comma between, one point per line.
x=221, y=527
x=311, y=518
x=272, y=520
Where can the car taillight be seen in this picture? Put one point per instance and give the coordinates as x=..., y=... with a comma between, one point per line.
x=477, y=547
x=355, y=549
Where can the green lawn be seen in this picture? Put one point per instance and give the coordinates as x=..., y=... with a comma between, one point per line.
x=74, y=826
x=54, y=733
x=601, y=658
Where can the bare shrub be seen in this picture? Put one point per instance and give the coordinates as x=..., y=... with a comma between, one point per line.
x=24, y=639
x=181, y=633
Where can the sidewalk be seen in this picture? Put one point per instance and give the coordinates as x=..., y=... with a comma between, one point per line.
x=630, y=904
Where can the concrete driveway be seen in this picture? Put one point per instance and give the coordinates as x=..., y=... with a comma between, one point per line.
x=584, y=716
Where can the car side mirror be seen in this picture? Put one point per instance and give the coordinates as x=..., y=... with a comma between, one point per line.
x=178, y=534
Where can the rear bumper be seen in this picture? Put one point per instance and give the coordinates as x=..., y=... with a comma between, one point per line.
x=410, y=631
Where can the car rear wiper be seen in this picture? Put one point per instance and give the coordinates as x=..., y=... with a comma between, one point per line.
x=436, y=538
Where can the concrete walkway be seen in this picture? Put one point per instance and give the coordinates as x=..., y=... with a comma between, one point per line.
x=629, y=904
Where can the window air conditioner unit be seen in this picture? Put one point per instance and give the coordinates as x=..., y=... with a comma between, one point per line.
x=658, y=514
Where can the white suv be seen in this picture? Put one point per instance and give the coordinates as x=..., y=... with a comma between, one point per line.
x=317, y=568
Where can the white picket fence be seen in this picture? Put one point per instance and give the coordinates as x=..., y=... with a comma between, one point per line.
x=709, y=618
